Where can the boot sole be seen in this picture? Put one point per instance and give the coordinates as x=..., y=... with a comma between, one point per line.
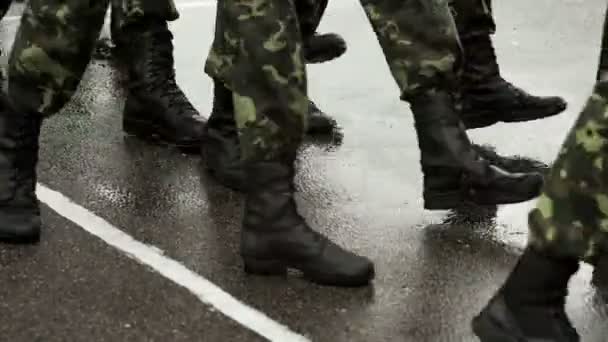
x=489, y=331
x=149, y=132
x=315, y=131
x=31, y=238
x=452, y=200
x=484, y=118
x=280, y=268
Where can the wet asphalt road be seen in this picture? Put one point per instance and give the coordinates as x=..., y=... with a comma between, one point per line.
x=433, y=275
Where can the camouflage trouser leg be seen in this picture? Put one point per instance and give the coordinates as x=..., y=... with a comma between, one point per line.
x=419, y=41
x=4, y=6
x=571, y=217
x=51, y=51
x=473, y=17
x=257, y=53
x=127, y=9
x=53, y=47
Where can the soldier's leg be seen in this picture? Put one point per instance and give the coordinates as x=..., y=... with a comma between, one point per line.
x=570, y=223
x=156, y=108
x=52, y=48
x=446, y=156
x=257, y=54
x=422, y=50
x=488, y=98
x=318, y=48
x=220, y=149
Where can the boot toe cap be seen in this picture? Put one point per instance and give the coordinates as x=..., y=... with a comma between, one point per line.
x=496, y=322
x=324, y=47
x=514, y=164
x=532, y=182
x=319, y=122
x=507, y=188
x=344, y=268
x=528, y=182
x=525, y=186
x=550, y=105
x=556, y=101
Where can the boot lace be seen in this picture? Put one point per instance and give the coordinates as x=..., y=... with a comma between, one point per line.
x=161, y=73
x=489, y=54
x=516, y=91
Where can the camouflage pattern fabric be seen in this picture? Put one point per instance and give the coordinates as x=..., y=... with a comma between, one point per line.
x=54, y=43
x=257, y=53
x=419, y=41
x=571, y=216
x=126, y=12
x=133, y=11
x=473, y=18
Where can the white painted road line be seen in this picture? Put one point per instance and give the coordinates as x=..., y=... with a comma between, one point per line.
x=206, y=291
x=190, y=4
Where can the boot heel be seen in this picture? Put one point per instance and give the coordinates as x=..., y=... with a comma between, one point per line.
x=264, y=267
x=487, y=331
x=443, y=201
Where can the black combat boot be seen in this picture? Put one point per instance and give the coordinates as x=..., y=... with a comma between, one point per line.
x=530, y=307
x=600, y=277
x=319, y=123
x=19, y=208
x=454, y=173
x=488, y=98
x=321, y=48
x=156, y=108
x=220, y=149
x=318, y=47
x=275, y=237
x=513, y=164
